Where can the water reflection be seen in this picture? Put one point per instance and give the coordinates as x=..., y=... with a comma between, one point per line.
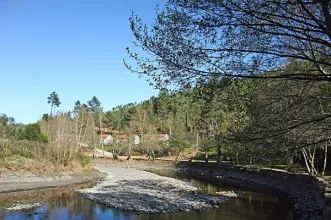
x=66, y=204
x=252, y=203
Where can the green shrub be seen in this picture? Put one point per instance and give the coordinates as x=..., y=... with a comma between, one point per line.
x=83, y=159
x=254, y=168
x=31, y=132
x=5, y=148
x=294, y=168
x=34, y=155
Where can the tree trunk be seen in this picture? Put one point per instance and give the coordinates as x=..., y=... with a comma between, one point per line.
x=290, y=159
x=51, y=109
x=312, y=161
x=179, y=155
x=94, y=146
x=310, y=164
x=325, y=157
x=103, y=149
x=206, y=155
x=186, y=121
x=130, y=152
x=219, y=153
x=149, y=155
x=306, y=161
x=153, y=155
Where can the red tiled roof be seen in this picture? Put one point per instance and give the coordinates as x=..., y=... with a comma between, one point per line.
x=106, y=130
x=104, y=136
x=125, y=136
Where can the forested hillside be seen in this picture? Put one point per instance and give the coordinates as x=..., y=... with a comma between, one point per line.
x=258, y=73
x=263, y=122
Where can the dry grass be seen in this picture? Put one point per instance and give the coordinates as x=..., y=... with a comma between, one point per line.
x=36, y=157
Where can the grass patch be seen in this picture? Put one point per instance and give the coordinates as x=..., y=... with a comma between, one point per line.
x=84, y=160
x=37, y=157
x=19, y=163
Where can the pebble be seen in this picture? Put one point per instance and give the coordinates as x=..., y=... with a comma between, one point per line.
x=141, y=191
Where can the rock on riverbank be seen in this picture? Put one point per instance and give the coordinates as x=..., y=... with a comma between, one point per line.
x=141, y=191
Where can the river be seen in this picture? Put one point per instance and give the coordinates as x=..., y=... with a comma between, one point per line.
x=65, y=204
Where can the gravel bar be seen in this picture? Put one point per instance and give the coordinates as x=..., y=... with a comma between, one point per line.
x=140, y=191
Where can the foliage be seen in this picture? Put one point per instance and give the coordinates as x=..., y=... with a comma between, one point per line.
x=52, y=144
x=7, y=126
x=119, y=117
x=254, y=122
x=65, y=135
x=258, y=73
x=237, y=38
x=45, y=117
x=6, y=120
x=31, y=132
x=54, y=100
x=20, y=155
x=93, y=104
x=85, y=161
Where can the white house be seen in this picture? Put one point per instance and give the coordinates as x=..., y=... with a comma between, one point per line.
x=107, y=140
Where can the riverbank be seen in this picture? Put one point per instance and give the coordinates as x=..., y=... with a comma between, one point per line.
x=14, y=181
x=128, y=181
x=140, y=191
x=22, y=181
x=307, y=192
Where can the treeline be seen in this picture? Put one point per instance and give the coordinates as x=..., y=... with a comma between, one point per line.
x=249, y=121
x=284, y=116
x=252, y=121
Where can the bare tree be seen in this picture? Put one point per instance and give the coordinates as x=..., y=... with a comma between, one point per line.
x=61, y=133
x=66, y=135
x=84, y=127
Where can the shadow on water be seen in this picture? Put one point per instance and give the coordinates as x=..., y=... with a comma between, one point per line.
x=66, y=204
x=251, y=203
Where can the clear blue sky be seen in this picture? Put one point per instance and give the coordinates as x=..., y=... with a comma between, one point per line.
x=75, y=48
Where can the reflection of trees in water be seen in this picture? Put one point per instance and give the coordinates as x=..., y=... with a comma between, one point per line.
x=251, y=204
x=63, y=203
x=66, y=204
x=34, y=196
x=70, y=205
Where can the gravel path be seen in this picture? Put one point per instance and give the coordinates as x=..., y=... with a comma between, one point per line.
x=140, y=191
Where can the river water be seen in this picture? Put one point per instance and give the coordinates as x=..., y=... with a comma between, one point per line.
x=65, y=204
